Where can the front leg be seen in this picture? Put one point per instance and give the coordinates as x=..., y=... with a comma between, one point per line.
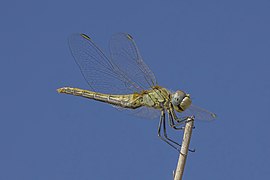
x=172, y=123
x=180, y=121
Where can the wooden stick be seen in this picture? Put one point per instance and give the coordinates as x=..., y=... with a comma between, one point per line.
x=184, y=149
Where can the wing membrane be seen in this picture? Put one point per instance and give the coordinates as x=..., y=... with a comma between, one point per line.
x=112, y=76
x=199, y=113
x=125, y=55
x=142, y=112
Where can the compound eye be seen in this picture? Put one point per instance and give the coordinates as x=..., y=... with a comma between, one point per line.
x=176, y=100
x=178, y=96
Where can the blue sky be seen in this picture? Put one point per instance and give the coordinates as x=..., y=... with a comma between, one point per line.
x=218, y=51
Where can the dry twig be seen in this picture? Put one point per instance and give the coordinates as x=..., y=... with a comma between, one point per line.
x=184, y=149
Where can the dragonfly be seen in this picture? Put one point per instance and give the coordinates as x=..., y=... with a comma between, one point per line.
x=125, y=81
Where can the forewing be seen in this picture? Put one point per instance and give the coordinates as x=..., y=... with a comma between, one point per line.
x=97, y=69
x=199, y=113
x=126, y=57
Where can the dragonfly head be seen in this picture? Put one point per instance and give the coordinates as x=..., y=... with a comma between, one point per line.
x=180, y=100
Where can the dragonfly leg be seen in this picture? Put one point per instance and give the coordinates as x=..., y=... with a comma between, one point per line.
x=177, y=128
x=165, y=137
x=172, y=123
x=174, y=126
x=180, y=121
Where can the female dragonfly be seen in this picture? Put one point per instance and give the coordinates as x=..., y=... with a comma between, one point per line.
x=125, y=81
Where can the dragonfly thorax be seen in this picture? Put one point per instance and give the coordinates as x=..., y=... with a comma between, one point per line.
x=180, y=100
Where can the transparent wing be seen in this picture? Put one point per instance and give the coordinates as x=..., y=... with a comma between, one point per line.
x=124, y=73
x=142, y=112
x=95, y=67
x=125, y=55
x=101, y=73
x=199, y=113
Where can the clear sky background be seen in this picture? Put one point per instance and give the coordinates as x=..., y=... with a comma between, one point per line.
x=218, y=51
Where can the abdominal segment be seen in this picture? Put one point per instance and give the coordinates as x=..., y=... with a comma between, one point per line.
x=126, y=101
